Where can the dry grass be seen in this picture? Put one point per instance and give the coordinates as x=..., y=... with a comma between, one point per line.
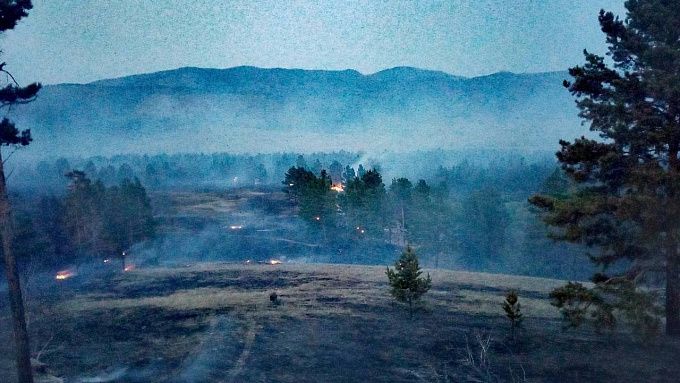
x=214, y=322
x=462, y=292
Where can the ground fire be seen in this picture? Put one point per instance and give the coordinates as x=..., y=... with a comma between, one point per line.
x=64, y=274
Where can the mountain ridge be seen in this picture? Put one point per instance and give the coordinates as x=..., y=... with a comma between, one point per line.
x=245, y=109
x=106, y=81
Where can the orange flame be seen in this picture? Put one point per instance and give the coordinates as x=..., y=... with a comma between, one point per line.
x=275, y=262
x=64, y=274
x=129, y=267
x=338, y=188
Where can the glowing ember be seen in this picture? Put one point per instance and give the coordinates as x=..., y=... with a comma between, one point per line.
x=129, y=267
x=317, y=218
x=275, y=262
x=235, y=227
x=338, y=188
x=64, y=274
x=107, y=260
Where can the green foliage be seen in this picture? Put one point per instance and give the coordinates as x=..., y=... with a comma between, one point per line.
x=484, y=222
x=313, y=195
x=401, y=188
x=406, y=281
x=101, y=220
x=11, y=11
x=348, y=175
x=601, y=304
x=574, y=301
x=556, y=185
x=626, y=195
x=363, y=202
x=297, y=180
x=127, y=215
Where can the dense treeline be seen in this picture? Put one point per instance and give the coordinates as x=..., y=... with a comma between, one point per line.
x=90, y=221
x=464, y=170
x=470, y=217
x=466, y=211
x=170, y=172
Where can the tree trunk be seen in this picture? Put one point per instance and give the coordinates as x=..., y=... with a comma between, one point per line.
x=23, y=350
x=673, y=260
x=410, y=307
x=673, y=295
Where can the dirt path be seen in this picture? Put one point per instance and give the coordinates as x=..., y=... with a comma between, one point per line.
x=249, y=339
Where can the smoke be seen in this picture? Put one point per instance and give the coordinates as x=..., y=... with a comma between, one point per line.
x=216, y=357
x=266, y=111
x=220, y=346
x=105, y=377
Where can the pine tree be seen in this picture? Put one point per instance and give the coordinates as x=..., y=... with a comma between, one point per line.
x=512, y=309
x=406, y=281
x=361, y=171
x=335, y=172
x=11, y=11
x=300, y=162
x=348, y=175
x=313, y=197
x=364, y=201
x=401, y=190
x=627, y=185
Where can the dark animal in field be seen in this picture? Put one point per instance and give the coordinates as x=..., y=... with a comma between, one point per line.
x=274, y=298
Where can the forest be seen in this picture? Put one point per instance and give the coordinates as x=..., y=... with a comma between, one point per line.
x=471, y=215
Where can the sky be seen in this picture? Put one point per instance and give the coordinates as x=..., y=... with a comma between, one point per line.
x=86, y=40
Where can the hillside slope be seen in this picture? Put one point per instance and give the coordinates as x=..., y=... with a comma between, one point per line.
x=214, y=322
x=247, y=109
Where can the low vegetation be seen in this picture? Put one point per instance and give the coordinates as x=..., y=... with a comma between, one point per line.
x=215, y=322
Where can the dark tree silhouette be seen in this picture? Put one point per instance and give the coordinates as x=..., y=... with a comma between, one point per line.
x=627, y=186
x=11, y=11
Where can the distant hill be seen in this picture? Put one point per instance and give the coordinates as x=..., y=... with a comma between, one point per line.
x=248, y=109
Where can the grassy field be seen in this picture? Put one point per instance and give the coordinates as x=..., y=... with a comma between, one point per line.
x=214, y=322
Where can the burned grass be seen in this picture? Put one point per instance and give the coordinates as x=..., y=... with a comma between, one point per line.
x=214, y=322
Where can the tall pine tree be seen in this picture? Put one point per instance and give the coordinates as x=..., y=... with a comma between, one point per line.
x=627, y=199
x=11, y=11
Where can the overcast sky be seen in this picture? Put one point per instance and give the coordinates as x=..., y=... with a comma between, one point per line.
x=86, y=40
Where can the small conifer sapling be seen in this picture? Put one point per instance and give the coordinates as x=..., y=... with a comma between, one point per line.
x=406, y=280
x=512, y=309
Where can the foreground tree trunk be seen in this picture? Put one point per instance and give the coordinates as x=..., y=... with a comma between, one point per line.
x=23, y=350
x=673, y=296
